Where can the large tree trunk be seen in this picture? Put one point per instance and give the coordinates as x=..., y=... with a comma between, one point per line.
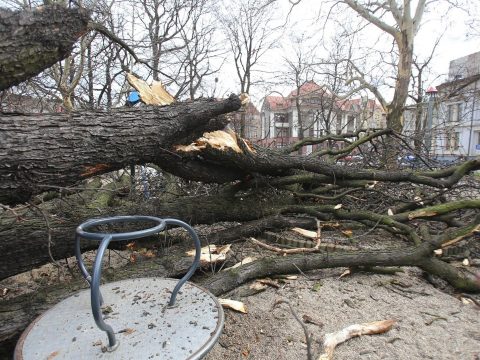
x=33, y=40
x=38, y=151
x=24, y=237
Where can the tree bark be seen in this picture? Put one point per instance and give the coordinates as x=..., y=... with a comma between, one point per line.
x=33, y=40
x=60, y=149
x=24, y=236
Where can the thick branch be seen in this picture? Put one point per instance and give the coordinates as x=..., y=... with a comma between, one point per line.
x=33, y=40
x=61, y=149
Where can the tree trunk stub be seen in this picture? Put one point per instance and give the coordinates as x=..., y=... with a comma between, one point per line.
x=33, y=40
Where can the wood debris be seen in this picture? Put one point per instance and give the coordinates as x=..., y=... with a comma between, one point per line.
x=247, y=260
x=220, y=140
x=211, y=254
x=307, y=233
x=233, y=305
x=336, y=338
x=156, y=94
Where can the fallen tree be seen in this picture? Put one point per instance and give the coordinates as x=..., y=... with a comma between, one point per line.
x=52, y=167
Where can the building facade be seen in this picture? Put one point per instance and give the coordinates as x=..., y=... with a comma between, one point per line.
x=251, y=117
x=454, y=129
x=312, y=111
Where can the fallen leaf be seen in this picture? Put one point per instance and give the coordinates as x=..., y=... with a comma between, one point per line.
x=131, y=246
x=107, y=310
x=347, y=233
x=149, y=254
x=234, y=305
x=133, y=258
x=317, y=286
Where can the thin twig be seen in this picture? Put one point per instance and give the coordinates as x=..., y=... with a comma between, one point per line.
x=308, y=337
x=49, y=234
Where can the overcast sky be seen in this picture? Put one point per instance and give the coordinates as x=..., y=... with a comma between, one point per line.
x=439, y=20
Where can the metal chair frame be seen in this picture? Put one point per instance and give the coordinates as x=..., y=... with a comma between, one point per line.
x=82, y=232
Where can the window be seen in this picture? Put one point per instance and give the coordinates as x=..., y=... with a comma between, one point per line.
x=282, y=118
x=351, y=123
x=454, y=112
x=282, y=132
x=452, y=141
x=338, y=117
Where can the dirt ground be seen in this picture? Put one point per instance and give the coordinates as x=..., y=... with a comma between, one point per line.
x=430, y=323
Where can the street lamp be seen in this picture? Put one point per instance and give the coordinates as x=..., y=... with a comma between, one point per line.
x=431, y=92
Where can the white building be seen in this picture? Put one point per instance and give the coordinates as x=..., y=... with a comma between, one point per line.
x=455, y=130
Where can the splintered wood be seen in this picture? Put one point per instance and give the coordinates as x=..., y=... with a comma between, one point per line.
x=155, y=94
x=220, y=140
x=211, y=254
x=233, y=305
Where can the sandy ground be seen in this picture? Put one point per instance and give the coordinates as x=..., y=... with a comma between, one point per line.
x=430, y=323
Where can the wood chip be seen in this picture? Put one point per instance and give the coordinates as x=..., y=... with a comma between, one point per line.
x=234, y=305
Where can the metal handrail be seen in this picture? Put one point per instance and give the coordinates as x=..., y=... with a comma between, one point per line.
x=105, y=239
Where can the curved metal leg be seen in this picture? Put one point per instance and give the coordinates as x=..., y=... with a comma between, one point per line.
x=96, y=296
x=196, y=260
x=81, y=264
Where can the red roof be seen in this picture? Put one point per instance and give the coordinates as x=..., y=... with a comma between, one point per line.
x=357, y=104
x=307, y=88
x=277, y=102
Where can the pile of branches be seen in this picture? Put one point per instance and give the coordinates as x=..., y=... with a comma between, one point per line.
x=53, y=166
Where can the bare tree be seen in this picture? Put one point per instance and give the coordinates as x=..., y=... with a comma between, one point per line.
x=250, y=34
x=298, y=72
x=420, y=69
x=164, y=21
x=401, y=22
x=201, y=56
